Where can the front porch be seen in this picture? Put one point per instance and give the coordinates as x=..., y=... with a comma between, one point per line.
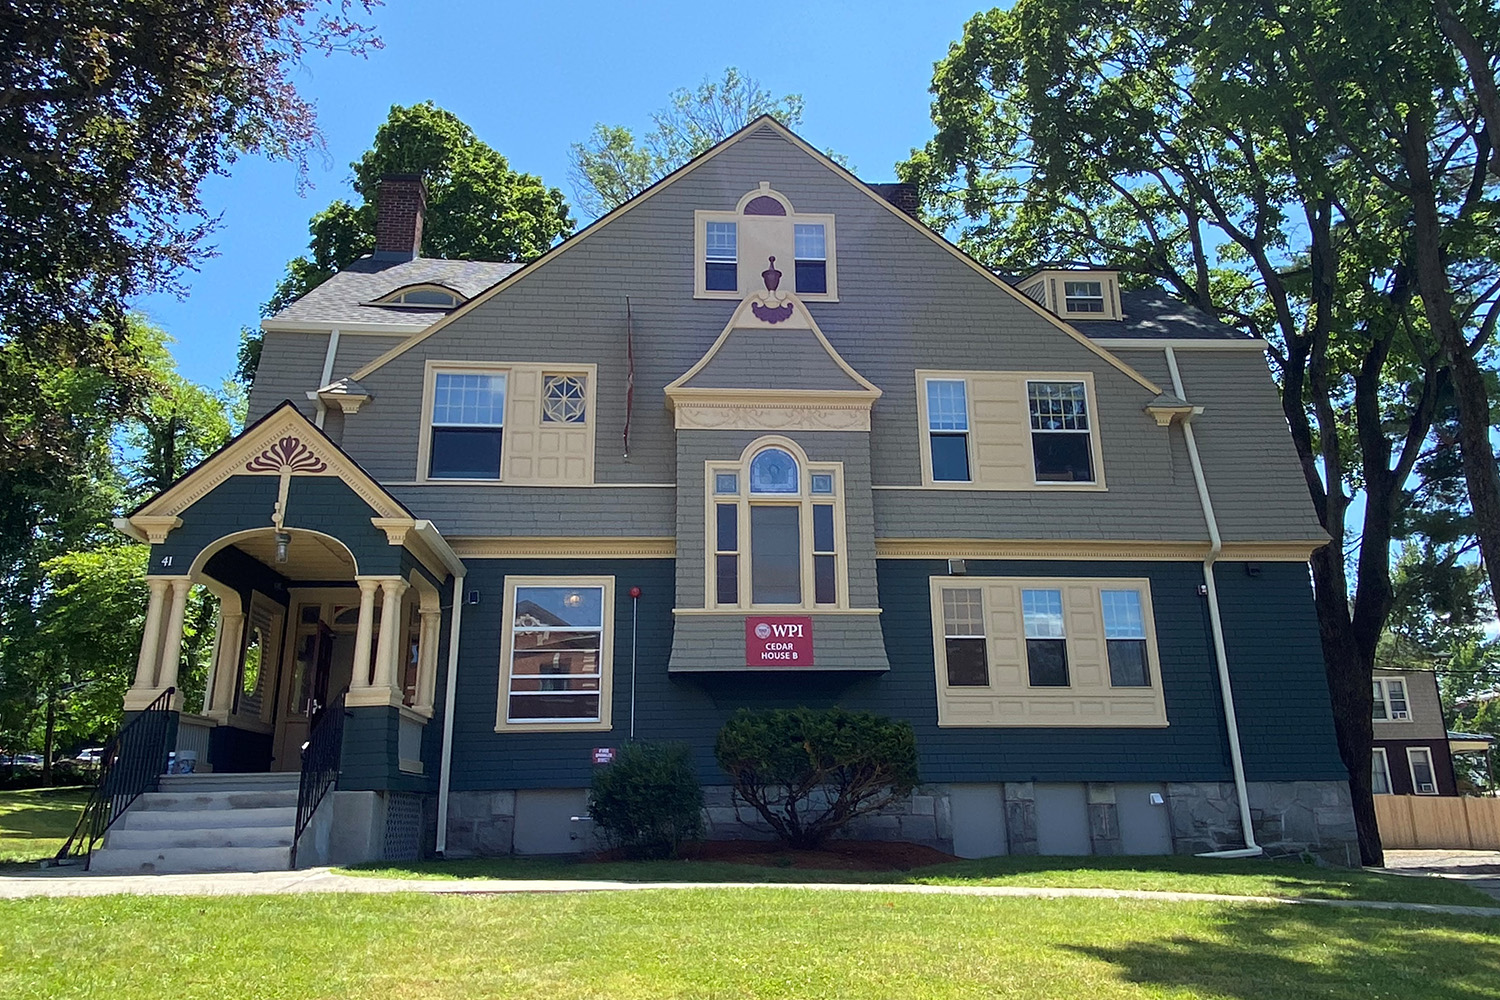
x=330, y=594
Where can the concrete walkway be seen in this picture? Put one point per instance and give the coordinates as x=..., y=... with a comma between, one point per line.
x=56, y=882
x=1478, y=869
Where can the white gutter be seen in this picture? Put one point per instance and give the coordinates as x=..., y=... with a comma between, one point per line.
x=1216, y=626
x=444, y=765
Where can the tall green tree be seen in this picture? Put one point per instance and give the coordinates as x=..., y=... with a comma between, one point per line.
x=1193, y=145
x=613, y=165
x=478, y=208
x=112, y=112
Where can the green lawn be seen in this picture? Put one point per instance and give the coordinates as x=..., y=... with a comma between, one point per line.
x=1178, y=874
x=35, y=822
x=731, y=943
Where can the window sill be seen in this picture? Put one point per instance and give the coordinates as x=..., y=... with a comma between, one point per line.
x=553, y=727
x=736, y=296
x=988, y=488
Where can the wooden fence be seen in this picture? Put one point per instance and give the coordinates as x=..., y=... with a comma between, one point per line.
x=1442, y=822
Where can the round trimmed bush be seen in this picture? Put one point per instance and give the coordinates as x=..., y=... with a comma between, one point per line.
x=648, y=801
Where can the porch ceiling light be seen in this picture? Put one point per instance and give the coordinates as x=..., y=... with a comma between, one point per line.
x=283, y=539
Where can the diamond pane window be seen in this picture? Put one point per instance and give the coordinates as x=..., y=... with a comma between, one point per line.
x=564, y=399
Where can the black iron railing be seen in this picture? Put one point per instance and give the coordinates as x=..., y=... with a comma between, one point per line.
x=130, y=765
x=320, y=766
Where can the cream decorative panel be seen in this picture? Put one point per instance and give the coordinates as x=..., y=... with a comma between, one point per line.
x=999, y=434
x=541, y=450
x=1009, y=699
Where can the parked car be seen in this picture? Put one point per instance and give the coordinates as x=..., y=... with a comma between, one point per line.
x=23, y=760
x=90, y=756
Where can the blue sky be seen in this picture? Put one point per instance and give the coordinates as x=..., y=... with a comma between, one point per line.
x=532, y=78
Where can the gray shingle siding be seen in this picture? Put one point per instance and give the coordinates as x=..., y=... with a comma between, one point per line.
x=773, y=359
x=290, y=366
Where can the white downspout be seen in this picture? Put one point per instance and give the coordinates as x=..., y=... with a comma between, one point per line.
x=333, y=350
x=1216, y=626
x=444, y=765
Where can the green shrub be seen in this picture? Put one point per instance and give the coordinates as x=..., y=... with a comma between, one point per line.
x=808, y=772
x=648, y=801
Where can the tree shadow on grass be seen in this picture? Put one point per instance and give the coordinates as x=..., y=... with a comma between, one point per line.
x=1280, y=952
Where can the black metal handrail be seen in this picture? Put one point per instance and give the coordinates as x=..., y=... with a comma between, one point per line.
x=130, y=765
x=321, y=755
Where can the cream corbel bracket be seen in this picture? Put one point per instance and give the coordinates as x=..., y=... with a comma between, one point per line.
x=1166, y=408
x=150, y=528
x=423, y=540
x=348, y=394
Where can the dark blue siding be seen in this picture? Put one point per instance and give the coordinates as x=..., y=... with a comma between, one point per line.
x=1276, y=664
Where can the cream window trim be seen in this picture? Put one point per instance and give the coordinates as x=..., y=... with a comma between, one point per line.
x=1382, y=693
x=1000, y=451
x=759, y=237
x=804, y=500
x=533, y=452
x=1089, y=700
x=606, y=655
x=1378, y=753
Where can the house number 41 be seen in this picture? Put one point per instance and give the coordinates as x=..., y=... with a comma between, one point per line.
x=166, y=560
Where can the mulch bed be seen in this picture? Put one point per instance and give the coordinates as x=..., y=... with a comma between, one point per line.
x=835, y=855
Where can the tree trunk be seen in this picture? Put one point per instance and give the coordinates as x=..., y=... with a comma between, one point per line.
x=1349, y=687
x=48, y=738
x=1481, y=474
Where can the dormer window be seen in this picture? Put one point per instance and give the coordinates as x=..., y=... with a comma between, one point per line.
x=422, y=297
x=1083, y=296
x=732, y=248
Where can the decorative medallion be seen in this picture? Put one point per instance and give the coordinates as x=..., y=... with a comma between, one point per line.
x=564, y=399
x=771, y=313
x=285, y=456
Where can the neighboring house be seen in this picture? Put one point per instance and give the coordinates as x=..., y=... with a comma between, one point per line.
x=756, y=438
x=1413, y=752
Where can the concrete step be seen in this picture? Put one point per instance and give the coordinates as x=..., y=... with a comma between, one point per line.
x=217, y=837
x=202, y=819
x=182, y=784
x=159, y=861
x=197, y=801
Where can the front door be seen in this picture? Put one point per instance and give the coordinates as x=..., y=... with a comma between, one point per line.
x=320, y=657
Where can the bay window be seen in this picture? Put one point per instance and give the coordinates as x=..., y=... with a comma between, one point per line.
x=776, y=527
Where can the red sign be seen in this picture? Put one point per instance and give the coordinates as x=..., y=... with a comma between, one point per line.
x=604, y=755
x=778, y=642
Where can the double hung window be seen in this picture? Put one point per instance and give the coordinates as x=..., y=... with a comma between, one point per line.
x=963, y=637
x=1380, y=772
x=468, y=421
x=1125, y=638
x=1083, y=296
x=721, y=263
x=776, y=531
x=1046, y=638
x=1390, y=700
x=811, y=248
x=948, y=429
x=556, y=653
x=1423, y=777
x=1060, y=434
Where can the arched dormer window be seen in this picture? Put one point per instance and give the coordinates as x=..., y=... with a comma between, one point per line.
x=422, y=297
x=732, y=248
x=776, y=523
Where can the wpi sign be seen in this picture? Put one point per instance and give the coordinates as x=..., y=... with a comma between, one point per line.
x=778, y=642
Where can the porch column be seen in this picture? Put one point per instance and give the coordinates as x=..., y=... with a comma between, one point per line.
x=145, y=667
x=432, y=625
x=360, y=678
x=171, y=653
x=391, y=627
x=226, y=665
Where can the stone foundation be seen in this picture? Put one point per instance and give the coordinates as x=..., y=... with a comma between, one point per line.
x=1291, y=818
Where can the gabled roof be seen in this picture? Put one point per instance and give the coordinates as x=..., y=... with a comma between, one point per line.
x=763, y=124
x=347, y=297
x=1152, y=314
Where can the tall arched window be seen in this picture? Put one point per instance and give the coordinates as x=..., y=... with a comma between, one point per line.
x=776, y=523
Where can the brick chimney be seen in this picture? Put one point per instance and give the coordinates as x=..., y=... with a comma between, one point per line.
x=401, y=202
x=903, y=196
